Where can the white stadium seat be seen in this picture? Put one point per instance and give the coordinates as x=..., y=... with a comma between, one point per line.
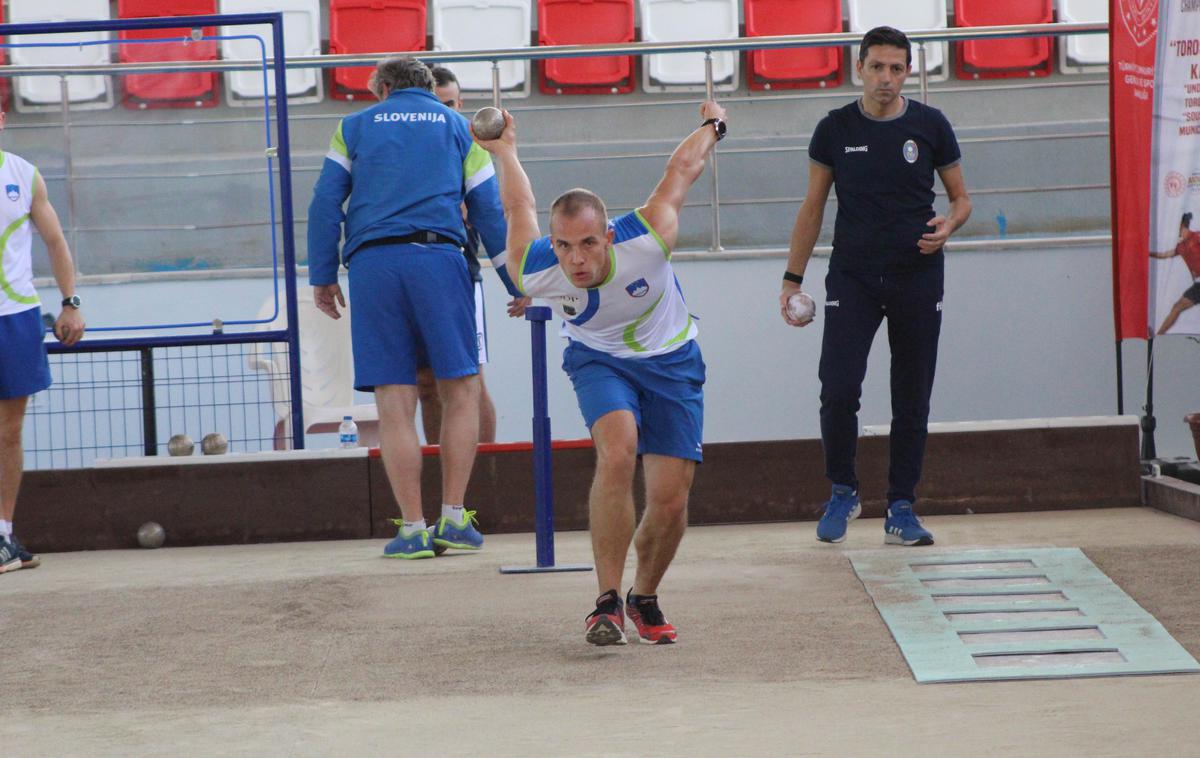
x=905, y=16
x=1081, y=53
x=301, y=36
x=41, y=93
x=484, y=25
x=688, y=21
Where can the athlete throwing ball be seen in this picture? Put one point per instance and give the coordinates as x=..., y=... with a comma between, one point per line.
x=632, y=357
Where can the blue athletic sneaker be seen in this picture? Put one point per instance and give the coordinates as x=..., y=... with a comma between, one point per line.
x=416, y=545
x=28, y=559
x=458, y=535
x=842, y=508
x=10, y=559
x=902, y=526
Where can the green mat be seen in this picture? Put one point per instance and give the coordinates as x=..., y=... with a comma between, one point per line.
x=1036, y=613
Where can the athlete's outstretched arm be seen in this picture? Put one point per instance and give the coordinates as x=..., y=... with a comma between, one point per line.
x=516, y=195
x=686, y=164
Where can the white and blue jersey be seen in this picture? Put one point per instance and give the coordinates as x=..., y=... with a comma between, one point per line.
x=18, y=177
x=24, y=369
x=632, y=342
x=406, y=164
x=638, y=311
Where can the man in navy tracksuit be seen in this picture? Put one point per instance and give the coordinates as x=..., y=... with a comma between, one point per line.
x=879, y=153
x=404, y=167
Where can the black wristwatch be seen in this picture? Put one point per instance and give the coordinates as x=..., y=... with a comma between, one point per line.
x=72, y=301
x=718, y=125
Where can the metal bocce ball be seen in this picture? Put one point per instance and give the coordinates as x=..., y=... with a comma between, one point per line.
x=488, y=123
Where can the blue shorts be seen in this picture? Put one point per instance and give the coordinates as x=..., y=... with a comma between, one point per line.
x=665, y=393
x=480, y=330
x=24, y=368
x=409, y=302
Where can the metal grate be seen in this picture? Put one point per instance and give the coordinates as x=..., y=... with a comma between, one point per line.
x=978, y=619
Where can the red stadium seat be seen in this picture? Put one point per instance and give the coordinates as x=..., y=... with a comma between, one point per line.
x=178, y=89
x=1003, y=58
x=371, y=26
x=796, y=67
x=584, y=22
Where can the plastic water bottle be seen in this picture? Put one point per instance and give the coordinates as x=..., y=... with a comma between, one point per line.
x=348, y=433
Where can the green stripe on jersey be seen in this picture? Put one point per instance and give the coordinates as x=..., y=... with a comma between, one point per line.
x=654, y=233
x=477, y=159
x=5, y=285
x=630, y=341
x=338, y=143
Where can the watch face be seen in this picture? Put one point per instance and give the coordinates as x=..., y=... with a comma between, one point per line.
x=72, y=301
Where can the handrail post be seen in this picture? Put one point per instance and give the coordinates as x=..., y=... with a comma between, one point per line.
x=496, y=84
x=69, y=165
x=924, y=74
x=714, y=200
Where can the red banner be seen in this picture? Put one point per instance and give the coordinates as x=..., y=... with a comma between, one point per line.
x=1133, y=26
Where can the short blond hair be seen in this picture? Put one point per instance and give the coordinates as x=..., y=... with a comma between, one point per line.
x=572, y=202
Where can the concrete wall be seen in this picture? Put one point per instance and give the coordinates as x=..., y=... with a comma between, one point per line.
x=1027, y=333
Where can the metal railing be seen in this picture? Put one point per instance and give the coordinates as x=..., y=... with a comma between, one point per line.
x=919, y=37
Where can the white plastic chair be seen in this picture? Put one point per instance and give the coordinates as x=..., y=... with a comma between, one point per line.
x=326, y=372
x=301, y=36
x=484, y=25
x=865, y=15
x=44, y=93
x=1083, y=53
x=688, y=21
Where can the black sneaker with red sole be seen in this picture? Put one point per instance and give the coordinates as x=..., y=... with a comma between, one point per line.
x=606, y=624
x=651, y=625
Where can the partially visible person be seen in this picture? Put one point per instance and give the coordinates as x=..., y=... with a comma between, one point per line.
x=446, y=89
x=404, y=168
x=1188, y=248
x=632, y=358
x=24, y=367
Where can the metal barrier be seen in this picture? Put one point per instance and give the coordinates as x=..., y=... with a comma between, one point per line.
x=919, y=37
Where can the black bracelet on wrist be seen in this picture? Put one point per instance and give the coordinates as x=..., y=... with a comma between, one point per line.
x=788, y=276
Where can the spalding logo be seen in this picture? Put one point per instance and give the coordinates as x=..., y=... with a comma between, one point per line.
x=1141, y=19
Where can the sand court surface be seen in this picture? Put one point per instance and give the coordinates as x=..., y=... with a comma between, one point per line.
x=325, y=648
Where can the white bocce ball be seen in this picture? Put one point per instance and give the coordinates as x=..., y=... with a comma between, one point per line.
x=800, y=307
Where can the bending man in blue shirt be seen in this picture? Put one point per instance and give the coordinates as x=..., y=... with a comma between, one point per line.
x=403, y=168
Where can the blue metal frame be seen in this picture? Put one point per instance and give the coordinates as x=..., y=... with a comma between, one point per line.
x=283, y=152
x=543, y=465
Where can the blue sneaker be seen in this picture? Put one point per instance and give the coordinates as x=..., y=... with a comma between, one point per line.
x=28, y=559
x=10, y=557
x=902, y=526
x=419, y=544
x=458, y=535
x=842, y=508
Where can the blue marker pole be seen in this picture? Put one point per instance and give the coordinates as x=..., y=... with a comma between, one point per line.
x=543, y=482
x=543, y=465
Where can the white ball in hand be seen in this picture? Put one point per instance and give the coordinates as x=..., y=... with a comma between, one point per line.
x=800, y=307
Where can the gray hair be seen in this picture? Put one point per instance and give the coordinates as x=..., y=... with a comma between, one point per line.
x=400, y=72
